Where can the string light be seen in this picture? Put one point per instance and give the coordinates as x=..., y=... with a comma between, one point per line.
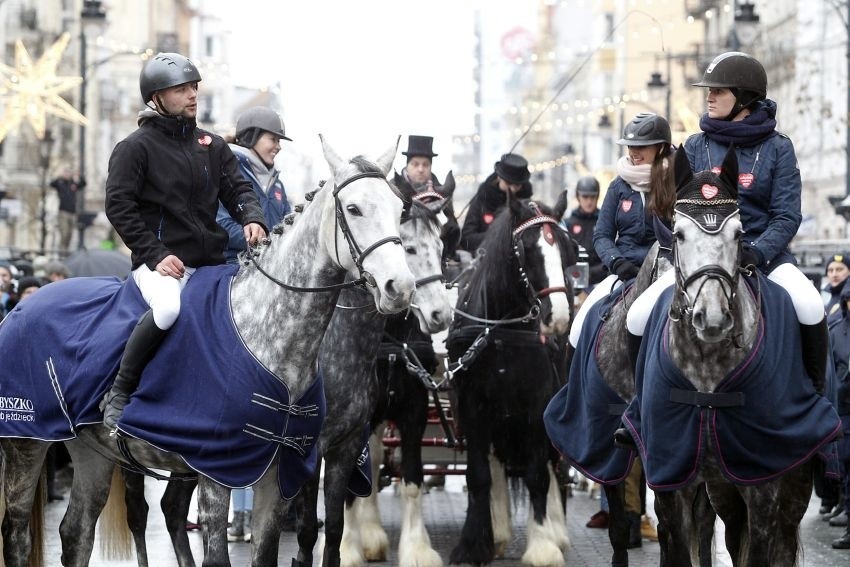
x=31, y=90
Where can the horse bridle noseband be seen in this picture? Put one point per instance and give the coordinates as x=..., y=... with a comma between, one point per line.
x=357, y=254
x=548, y=222
x=709, y=272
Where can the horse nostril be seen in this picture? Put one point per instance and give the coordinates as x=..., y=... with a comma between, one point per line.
x=699, y=320
x=389, y=287
x=436, y=317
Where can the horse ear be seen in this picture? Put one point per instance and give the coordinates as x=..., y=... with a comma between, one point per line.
x=403, y=187
x=729, y=171
x=447, y=189
x=560, y=206
x=682, y=168
x=334, y=160
x=385, y=160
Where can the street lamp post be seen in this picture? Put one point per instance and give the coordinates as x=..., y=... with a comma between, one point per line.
x=92, y=13
x=45, y=151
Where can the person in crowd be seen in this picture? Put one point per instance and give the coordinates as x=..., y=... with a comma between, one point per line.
x=582, y=221
x=837, y=270
x=509, y=180
x=163, y=186
x=6, y=288
x=642, y=189
x=740, y=115
x=839, y=334
x=259, y=131
x=55, y=271
x=418, y=175
x=67, y=186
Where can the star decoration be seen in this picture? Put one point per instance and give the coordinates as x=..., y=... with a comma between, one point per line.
x=30, y=90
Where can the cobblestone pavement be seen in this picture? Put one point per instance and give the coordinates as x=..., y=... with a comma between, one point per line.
x=444, y=511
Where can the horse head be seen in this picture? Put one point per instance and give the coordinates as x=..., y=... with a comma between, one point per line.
x=364, y=237
x=707, y=231
x=544, y=252
x=421, y=226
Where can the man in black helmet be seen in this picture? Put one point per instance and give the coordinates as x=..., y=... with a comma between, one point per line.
x=582, y=221
x=162, y=192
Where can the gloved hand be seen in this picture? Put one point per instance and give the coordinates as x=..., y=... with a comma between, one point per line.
x=749, y=256
x=624, y=269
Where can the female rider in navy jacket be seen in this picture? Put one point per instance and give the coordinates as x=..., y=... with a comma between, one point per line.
x=624, y=232
x=769, y=193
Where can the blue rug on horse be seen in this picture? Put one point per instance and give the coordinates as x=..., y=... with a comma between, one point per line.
x=781, y=422
x=582, y=417
x=203, y=396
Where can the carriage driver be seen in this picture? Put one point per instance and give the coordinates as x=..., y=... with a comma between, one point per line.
x=163, y=187
x=769, y=193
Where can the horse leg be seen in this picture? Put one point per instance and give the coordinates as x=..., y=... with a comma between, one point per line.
x=137, y=512
x=414, y=547
x=540, y=550
x=730, y=505
x=23, y=459
x=675, y=526
x=362, y=535
x=618, y=524
x=476, y=540
x=89, y=492
x=795, y=491
x=704, y=517
x=307, y=526
x=338, y=468
x=500, y=506
x=214, y=504
x=175, y=505
x=556, y=508
x=266, y=519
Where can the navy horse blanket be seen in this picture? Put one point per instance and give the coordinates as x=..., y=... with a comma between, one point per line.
x=777, y=422
x=203, y=396
x=582, y=417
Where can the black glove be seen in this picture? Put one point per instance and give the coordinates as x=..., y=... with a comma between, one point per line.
x=749, y=256
x=624, y=269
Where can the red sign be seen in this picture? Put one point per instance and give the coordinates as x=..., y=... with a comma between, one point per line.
x=518, y=42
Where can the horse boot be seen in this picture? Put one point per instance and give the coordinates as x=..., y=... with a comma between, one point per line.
x=142, y=344
x=814, y=341
x=634, y=530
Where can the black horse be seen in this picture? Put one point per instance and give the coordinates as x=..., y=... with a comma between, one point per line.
x=518, y=298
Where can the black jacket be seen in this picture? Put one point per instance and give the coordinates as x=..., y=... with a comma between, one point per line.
x=839, y=334
x=162, y=192
x=580, y=225
x=483, y=208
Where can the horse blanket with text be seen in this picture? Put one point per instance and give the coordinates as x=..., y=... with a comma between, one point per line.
x=772, y=420
x=582, y=417
x=203, y=396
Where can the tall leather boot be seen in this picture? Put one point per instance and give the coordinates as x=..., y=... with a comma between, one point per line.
x=633, y=344
x=815, y=345
x=142, y=344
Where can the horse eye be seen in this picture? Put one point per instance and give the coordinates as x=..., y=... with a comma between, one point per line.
x=354, y=210
x=679, y=236
x=410, y=250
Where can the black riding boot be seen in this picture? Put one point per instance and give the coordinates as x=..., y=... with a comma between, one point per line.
x=815, y=344
x=634, y=348
x=142, y=344
x=622, y=437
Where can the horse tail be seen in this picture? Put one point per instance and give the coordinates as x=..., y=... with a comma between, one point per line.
x=39, y=502
x=115, y=537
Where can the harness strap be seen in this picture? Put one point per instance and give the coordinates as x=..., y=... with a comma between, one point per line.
x=138, y=467
x=707, y=399
x=299, y=443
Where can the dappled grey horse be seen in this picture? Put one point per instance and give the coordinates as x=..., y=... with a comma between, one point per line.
x=351, y=228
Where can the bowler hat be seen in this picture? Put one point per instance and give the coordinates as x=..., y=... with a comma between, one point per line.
x=419, y=146
x=513, y=168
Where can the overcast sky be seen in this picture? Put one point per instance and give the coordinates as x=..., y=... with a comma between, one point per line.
x=361, y=72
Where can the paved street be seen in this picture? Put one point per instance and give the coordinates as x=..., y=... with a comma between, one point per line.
x=444, y=512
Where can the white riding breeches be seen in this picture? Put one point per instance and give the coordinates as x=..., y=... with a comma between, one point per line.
x=162, y=293
x=601, y=290
x=804, y=296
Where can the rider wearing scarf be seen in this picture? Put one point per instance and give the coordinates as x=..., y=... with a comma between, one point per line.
x=769, y=193
x=642, y=190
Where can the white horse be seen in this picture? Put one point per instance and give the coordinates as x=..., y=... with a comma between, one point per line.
x=281, y=304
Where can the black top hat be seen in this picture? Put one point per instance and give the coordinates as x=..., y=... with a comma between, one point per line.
x=513, y=168
x=419, y=146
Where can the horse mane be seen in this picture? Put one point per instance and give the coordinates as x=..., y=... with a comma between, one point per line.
x=365, y=165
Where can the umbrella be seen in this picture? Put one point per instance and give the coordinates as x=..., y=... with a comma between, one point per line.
x=99, y=263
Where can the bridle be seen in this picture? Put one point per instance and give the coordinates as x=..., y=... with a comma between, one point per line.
x=549, y=225
x=424, y=197
x=357, y=254
x=709, y=272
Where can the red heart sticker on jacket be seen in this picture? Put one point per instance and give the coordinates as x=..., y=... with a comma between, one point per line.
x=205, y=140
x=626, y=206
x=709, y=191
x=716, y=170
x=488, y=218
x=746, y=179
x=576, y=228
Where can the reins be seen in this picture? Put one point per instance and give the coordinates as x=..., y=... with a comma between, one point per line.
x=357, y=254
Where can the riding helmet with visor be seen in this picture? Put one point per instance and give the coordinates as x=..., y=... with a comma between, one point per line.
x=166, y=70
x=587, y=186
x=253, y=122
x=646, y=129
x=740, y=73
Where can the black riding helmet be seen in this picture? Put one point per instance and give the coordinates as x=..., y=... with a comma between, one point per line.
x=166, y=70
x=740, y=73
x=587, y=185
x=646, y=129
x=253, y=122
